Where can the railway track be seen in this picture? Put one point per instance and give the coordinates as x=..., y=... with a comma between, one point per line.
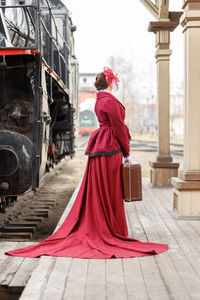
x=81, y=142
x=139, y=144
x=150, y=145
x=23, y=226
x=36, y=214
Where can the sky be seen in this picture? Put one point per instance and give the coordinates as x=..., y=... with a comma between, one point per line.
x=119, y=28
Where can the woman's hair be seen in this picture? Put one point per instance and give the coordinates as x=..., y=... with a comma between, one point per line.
x=101, y=82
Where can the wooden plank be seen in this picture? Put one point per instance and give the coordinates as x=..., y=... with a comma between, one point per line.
x=162, y=230
x=14, y=268
x=153, y=280
x=75, y=287
x=188, y=238
x=8, y=268
x=155, y=218
x=165, y=215
x=5, y=246
x=186, y=272
x=55, y=286
x=96, y=280
x=167, y=271
x=115, y=281
x=24, y=272
x=135, y=285
x=194, y=240
x=149, y=228
x=175, y=286
x=173, y=283
x=36, y=284
x=195, y=225
x=10, y=265
x=135, y=223
x=185, y=225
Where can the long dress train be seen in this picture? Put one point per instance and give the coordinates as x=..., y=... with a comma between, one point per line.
x=96, y=225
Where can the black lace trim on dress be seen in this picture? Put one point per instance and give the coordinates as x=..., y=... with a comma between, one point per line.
x=103, y=153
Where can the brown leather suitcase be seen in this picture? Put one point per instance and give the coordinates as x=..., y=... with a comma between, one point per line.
x=132, y=181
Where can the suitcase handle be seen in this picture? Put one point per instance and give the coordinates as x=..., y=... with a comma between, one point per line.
x=129, y=160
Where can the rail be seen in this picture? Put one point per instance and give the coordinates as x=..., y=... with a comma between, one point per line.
x=154, y=141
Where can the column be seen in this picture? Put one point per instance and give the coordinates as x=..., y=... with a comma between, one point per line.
x=162, y=169
x=187, y=186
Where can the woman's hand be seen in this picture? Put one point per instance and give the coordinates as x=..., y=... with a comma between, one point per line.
x=125, y=155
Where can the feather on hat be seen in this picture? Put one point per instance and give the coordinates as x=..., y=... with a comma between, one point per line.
x=110, y=76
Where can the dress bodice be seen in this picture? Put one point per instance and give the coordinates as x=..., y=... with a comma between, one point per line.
x=112, y=135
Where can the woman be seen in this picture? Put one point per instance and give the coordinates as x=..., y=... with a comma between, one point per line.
x=96, y=225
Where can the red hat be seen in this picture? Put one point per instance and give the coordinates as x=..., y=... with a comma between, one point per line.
x=110, y=76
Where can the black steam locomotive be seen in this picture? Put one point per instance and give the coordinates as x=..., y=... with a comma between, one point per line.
x=38, y=92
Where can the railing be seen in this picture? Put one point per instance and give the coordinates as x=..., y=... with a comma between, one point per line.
x=55, y=55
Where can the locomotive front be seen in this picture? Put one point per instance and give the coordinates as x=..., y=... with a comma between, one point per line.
x=38, y=92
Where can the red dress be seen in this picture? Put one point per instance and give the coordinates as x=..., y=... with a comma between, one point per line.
x=96, y=225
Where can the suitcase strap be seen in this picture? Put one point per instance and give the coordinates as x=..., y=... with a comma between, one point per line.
x=130, y=190
x=131, y=187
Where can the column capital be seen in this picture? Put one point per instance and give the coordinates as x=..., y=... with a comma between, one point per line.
x=190, y=19
x=162, y=26
x=191, y=5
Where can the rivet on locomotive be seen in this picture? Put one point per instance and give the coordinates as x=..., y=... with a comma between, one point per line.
x=38, y=92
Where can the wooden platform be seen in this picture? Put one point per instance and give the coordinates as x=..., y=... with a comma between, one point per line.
x=174, y=274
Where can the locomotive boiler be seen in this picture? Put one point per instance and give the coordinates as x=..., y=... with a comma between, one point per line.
x=38, y=92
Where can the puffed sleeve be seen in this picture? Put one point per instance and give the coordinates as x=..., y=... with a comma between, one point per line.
x=116, y=115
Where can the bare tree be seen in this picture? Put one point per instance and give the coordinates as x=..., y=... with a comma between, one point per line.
x=127, y=94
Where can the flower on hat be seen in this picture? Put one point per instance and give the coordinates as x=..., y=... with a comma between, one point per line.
x=110, y=76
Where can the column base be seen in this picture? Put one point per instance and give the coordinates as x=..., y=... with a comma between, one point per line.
x=186, y=197
x=161, y=173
